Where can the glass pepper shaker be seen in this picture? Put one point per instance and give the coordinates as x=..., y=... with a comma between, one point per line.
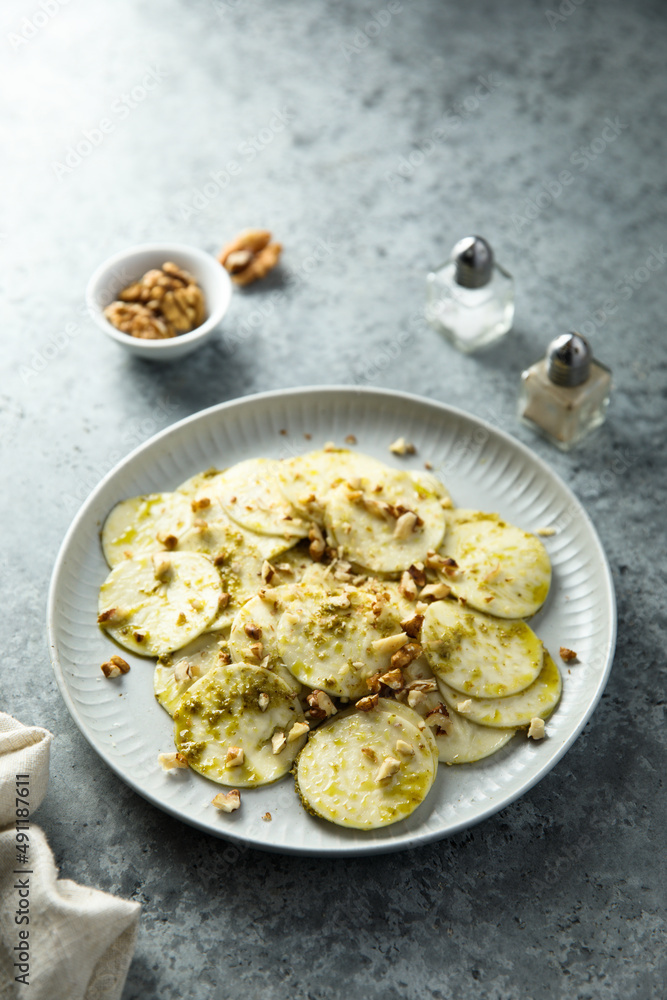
x=566, y=394
x=470, y=299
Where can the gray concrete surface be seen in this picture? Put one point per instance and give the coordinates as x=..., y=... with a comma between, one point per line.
x=329, y=111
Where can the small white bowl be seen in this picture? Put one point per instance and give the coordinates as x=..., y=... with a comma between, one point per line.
x=129, y=265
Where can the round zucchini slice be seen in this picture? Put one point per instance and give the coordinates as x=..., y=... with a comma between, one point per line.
x=157, y=603
x=480, y=655
x=537, y=701
x=250, y=493
x=367, y=769
x=144, y=524
x=239, y=708
x=502, y=570
x=385, y=526
x=325, y=638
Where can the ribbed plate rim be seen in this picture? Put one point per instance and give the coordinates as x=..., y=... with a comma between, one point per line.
x=401, y=842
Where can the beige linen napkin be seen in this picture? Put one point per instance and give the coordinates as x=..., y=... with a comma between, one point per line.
x=79, y=941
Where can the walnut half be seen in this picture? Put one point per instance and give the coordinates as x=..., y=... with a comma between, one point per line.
x=250, y=256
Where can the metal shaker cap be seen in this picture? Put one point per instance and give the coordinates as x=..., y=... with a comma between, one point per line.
x=474, y=262
x=569, y=360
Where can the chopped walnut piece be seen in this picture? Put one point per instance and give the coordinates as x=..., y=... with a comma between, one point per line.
x=404, y=656
x=412, y=626
x=417, y=573
x=224, y=658
x=546, y=532
x=536, y=729
x=567, y=654
x=370, y=753
x=415, y=698
x=223, y=601
x=368, y=703
x=257, y=649
x=493, y=572
x=252, y=631
x=373, y=682
x=168, y=761
x=446, y=503
x=402, y=447
x=278, y=742
x=263, y=701
x=388, y=768
x=350, y=439
x=423, y=684
x=407, y=587
x=393, y=678
x=439, y=720
x=161, y=568
x=405, y=525
x=235, y=757
x=444, y=564
x=321, y=705
x=267, y=817
x=317, y=544
x=297, y=730
x=200, y=504
x=268, y=571
x=112, y=616
x=428, y=465
x=185, y=671
x=406, y=749
x=114, y=667
x=390, y=643
x=169, y=541
x=341, y=601
x=227, y=801
x=437, y=591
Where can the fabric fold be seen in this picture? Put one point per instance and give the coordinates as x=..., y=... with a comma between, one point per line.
x=58, y=940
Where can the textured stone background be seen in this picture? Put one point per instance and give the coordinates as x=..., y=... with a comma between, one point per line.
x=562, y=894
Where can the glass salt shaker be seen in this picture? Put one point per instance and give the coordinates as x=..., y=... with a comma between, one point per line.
x=566, y=394
x=470, y=299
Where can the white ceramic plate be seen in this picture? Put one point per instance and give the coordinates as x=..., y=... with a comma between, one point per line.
x=482, y=467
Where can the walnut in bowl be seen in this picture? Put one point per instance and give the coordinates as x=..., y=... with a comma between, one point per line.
x=159, y=301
